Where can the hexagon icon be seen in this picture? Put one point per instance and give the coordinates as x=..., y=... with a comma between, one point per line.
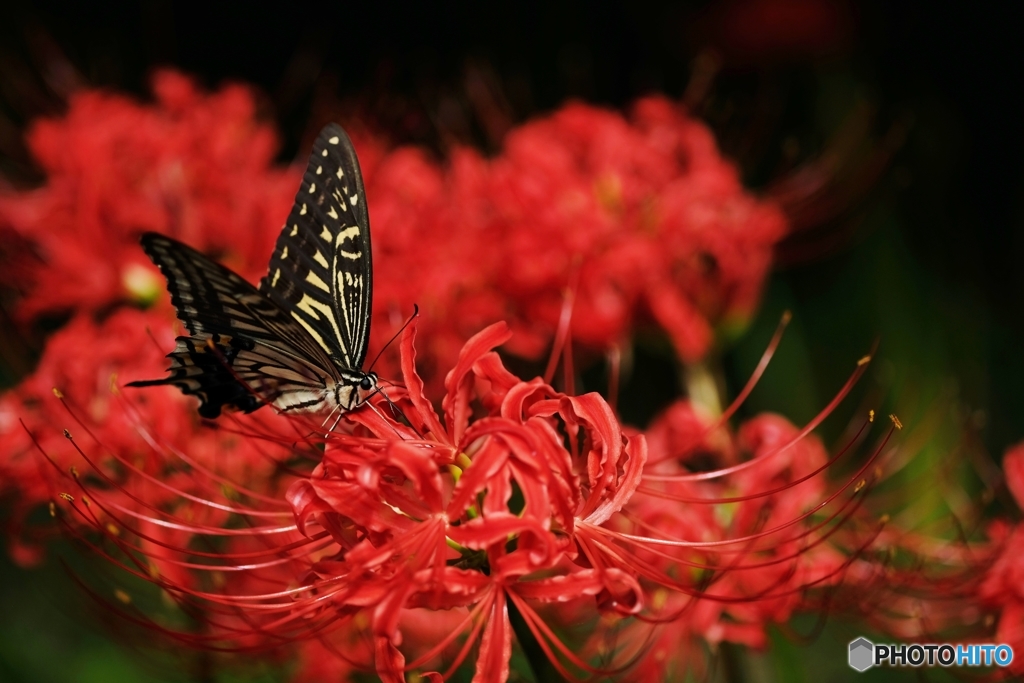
x=862, y=654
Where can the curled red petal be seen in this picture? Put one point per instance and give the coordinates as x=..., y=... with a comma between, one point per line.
x=490, y=368
x=459, y=381
x=1013, y=466
x=414, y=385
x=636, y=456
x=537, y=548
x=305, y=502
x=612, y=481
x=390, y=662
x=614, y=588
x=496, y=646
x=523, y=396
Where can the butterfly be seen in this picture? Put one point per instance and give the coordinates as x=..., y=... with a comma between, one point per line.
x=298, y=342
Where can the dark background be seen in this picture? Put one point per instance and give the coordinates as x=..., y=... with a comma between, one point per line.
x=918, y=243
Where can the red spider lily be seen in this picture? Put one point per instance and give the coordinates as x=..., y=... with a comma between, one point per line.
x=192, y=165
x=519, y=499
x=512, y=503
x=761, y=539
x=641, y=220
x=82, y=367
x=1003, y=586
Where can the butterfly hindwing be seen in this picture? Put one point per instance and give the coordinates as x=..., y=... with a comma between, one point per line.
x=243, y=350
x=321, y=269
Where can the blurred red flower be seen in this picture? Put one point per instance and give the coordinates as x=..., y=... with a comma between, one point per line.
x=76, y=386
x=191, y=165
x=762, y=32
x=1003, y=585
x=754, y=526
x=639, y=222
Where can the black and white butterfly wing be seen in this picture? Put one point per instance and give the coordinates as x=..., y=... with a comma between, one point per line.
x=300, y=340
x=321, y=269
x=243, y=349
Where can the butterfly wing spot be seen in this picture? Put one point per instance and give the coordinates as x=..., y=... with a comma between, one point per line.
x=314, y=280
x=334, y=140
x=340, y=199
x=312, y=188
x=319, y=258
x=348, y=233
x=313, y=308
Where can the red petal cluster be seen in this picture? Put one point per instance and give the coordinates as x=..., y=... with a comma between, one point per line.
x=1003, y=587
x=191, y=165
x=627, y=222
x=744, y=525
x=480, y=512
x=76, y=387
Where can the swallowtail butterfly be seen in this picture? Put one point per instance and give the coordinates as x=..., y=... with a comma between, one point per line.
x=299, y=341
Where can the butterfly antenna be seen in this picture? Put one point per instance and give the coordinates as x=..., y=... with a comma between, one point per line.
x=415, y=312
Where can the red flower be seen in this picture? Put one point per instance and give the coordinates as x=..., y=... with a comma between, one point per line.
x=477, y=514
x=518, y=498
x=1003, y=586
x=77, y=387
x=192, y=165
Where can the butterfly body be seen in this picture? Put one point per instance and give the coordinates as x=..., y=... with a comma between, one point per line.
x=299, y=341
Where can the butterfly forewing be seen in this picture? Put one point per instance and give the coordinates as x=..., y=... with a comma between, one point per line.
x=320, y=271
